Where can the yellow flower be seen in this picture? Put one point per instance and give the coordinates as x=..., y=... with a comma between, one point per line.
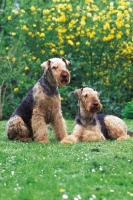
x=15, y=12
x=26, y=68
x=53, y=50
x=24, y=27
x=106, y=26
x=82, y=23
x=42, y=52
x=49, y=28
x=67, y=37
x=42, y=34
x=124, y=51
x=32, y=8
x=30, y=33
x=127, y=32
x=24, y=55
x=9, y=18
x=16, y=89
x=69, y=7
x=34, y=58
x=70, y=42
x=127, y=25
x=13, y=33
x=77, y=43
x=62, y=190
x=22, y=11
x=62, y=18
x=14, y=60
x=23, y=74
x=62, y=52
x=92, y=34
x=42, y=29
x=46, y=12
x=87, y=43
x=89, y=14
x=78, y=8
x=118, y=35
x=130, y=9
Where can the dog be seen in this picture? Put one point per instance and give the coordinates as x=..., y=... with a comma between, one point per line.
x=90, y=126
x=41, y=106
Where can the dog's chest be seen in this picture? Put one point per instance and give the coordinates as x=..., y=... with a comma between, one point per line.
x=48, y=105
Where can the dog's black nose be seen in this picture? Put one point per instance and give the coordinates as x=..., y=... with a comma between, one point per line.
x=64, y=75
x=95, y=104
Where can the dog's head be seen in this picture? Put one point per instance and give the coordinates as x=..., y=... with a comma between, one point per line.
x=89, y=99
x=56, y=71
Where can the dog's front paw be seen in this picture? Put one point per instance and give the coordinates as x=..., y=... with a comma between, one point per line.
x=69, y=140
x=43, y=141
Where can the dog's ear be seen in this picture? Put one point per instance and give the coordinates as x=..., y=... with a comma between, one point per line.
x=66, y=61
x=78, y=93
x=98, y=94
x=45, y=65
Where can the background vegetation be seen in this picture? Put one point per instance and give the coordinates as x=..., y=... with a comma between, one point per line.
x=87, y=171
x=96, y=36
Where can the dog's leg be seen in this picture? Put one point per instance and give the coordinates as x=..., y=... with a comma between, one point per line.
x=59, y=126
x=116, y=127
x=70, y=139
x=92, y=136
x=74, y=137
x=39, y=127
x=16, y=129
x=124, y=137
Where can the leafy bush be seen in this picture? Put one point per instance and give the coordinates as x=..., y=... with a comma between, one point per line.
x=128, y=110
x=96, y=36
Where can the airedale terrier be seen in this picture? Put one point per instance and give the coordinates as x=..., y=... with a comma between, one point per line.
x=90, y=126
x=41, y=106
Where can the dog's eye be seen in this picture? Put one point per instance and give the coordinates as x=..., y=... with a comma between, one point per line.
x=86, y=95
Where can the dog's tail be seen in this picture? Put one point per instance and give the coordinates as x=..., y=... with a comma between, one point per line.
x=130, y=133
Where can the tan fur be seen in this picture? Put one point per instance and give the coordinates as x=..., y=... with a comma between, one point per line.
x=117, y=129
x=87, y=127
x=46, y=107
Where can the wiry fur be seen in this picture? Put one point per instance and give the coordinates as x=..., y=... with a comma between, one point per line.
x=41, y=106
x=90, y=126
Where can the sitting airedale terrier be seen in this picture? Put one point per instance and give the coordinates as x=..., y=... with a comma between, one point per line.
x=90, y=126
x=41, y=106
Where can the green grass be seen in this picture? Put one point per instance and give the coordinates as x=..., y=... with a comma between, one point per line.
x=96, y=170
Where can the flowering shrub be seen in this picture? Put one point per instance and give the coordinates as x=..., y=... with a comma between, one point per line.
x=96, y=36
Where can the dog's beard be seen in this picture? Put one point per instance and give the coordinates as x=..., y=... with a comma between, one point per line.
x=64, y=81
x=95, y=109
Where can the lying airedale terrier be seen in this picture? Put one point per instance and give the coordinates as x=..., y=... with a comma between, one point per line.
x=41, y=106
x=90, y=126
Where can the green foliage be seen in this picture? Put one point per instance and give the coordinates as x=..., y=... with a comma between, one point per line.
x=96, y=36
x=128, y=110
x=95, y=170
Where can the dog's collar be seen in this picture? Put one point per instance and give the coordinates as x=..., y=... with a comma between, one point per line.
x=85, y=121
x=47, y=87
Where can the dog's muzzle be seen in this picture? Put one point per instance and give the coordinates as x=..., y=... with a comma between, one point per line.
x=96, y=106
x=65, y=78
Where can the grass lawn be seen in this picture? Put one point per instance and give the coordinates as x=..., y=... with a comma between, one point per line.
x=97, y=170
